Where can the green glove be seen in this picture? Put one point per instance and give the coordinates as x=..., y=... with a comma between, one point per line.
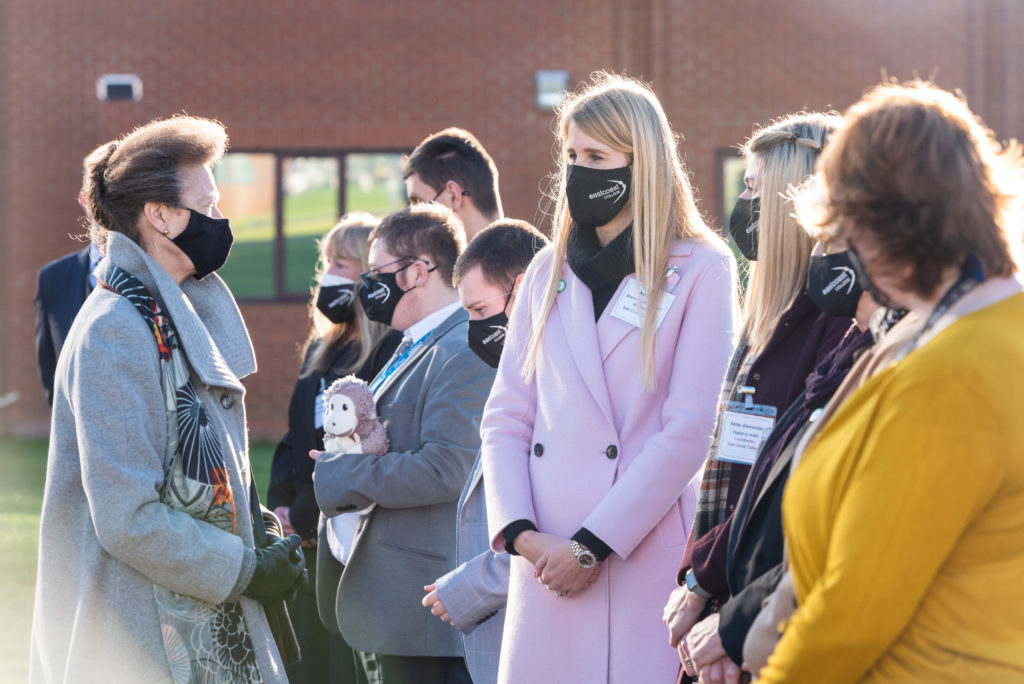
x=279, y=568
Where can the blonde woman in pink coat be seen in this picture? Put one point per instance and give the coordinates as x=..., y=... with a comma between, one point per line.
x=603, y=406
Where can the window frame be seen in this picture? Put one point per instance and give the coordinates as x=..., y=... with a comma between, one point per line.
x=723, y=154
x=280, y=295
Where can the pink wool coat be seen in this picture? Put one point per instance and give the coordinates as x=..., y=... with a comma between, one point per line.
x=583, y=443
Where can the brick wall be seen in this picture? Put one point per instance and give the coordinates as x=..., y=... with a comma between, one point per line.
x=353, y=75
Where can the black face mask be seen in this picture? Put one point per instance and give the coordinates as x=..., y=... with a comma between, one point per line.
x=744, y=226
x=596, y=196
x=379, y=296
x=337, y=298
x=832, y=284
x=487, y=338
x=206, y=242
x=864, y=280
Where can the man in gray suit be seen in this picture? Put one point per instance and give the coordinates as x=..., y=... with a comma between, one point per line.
x=430, y=396
x=472, y=596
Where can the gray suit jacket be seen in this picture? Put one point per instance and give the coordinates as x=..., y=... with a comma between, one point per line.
x=475, y=592
x=431, y=407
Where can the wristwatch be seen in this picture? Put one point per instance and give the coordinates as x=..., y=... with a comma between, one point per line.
x=585, y=558
x=691, y=584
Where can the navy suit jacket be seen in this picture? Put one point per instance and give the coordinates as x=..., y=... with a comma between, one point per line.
x=61, y=290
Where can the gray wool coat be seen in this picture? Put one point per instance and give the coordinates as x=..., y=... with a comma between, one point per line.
x=105, y=537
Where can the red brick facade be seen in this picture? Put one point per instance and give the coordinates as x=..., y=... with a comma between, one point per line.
x=358, y=75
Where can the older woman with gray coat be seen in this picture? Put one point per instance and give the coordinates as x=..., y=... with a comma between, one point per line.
x=148, y=571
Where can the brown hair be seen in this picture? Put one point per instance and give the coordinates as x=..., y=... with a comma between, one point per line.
x=429, y=230
x=455, y=154
x=918, y=172
x=502, y=250
x=144, y=167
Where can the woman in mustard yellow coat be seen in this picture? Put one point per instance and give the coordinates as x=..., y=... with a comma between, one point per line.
x=905, y=518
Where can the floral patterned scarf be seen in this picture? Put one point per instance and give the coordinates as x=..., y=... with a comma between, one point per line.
x=204, y=642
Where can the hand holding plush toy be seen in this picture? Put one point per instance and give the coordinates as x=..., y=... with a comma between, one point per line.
x=351, y=424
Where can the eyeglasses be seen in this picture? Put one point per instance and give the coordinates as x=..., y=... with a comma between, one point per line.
x=464, y=193
x=374, y=274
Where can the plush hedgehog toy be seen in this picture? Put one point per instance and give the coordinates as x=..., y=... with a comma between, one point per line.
x=350, y=419
x=351, y=426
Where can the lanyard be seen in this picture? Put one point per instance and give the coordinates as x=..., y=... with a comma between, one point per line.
x=397, y=362
x=967, y=282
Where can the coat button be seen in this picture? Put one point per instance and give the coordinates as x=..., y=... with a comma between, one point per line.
x=538, y=449
x=757, y=376
x=226, y=401
x=612, y=452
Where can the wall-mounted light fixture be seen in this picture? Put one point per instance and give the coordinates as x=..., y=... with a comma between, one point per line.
x=111, y=87
x=551, y=89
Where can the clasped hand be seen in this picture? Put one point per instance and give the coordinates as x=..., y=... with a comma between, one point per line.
x=554, y=563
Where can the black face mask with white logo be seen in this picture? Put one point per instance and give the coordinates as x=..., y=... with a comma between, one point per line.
x=832, y=284
x=206, y=241
x=379, y=296
x=337, y=298
x=744, y=226
x=487, y=338
x=596, y=196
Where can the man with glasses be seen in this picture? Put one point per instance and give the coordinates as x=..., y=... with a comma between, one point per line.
x=452, y=168
x=430, y=396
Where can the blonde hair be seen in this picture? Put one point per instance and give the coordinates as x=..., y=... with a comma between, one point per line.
x=349, y=239
x=786, y=152
x=625, y=115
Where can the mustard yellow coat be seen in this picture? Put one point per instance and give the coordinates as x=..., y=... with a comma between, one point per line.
x=905, y=520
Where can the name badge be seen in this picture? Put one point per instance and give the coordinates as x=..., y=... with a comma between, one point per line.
x=631, y=306
x=745, y=427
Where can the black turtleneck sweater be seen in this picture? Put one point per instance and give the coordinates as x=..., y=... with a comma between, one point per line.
x=600, y=268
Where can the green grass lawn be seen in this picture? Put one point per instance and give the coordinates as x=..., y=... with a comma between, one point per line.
x=21, y=499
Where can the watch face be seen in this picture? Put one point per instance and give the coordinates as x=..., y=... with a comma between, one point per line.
x=586, y=560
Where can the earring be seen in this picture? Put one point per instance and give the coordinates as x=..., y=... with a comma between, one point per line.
x=166, y=232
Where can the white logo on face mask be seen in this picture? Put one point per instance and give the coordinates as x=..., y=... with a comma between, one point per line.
x=752, y=227
x=382, y=293
x=845, y=277
x=498, y=334
x=344, y=298
x=618, y=189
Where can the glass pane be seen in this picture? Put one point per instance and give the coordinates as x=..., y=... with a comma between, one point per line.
x=373, y=183
x=310, y=209
x=246, y=184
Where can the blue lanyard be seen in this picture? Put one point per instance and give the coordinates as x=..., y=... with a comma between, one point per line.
x=396, y=363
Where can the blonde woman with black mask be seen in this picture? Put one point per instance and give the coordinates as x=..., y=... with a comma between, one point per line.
x=784, y=337
x=604, y=400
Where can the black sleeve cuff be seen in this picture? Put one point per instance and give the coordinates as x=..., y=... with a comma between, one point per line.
x=591, y=541
x=513, y=530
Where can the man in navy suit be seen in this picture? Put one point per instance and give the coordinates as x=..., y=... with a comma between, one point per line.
x=61, y=290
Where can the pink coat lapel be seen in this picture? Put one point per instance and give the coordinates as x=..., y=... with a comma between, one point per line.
x=574, y=309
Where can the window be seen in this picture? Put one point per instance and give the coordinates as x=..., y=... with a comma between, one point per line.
x=731, y=168
x=281, y=204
